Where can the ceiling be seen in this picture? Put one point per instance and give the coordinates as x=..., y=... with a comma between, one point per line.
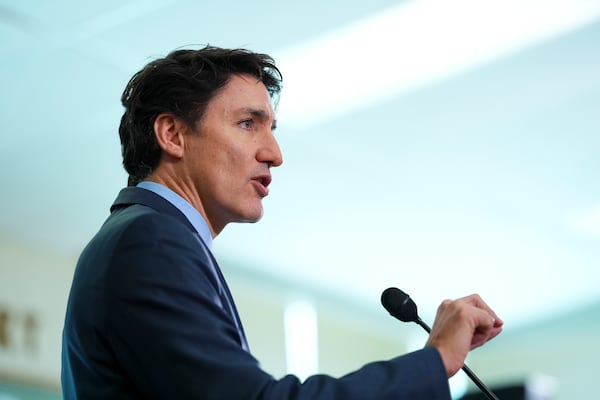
x=473, y=177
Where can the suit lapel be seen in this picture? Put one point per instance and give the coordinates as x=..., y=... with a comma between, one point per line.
x=226, y=297
x=133, y=195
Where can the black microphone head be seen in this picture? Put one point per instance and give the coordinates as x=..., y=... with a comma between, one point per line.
x=399, y=305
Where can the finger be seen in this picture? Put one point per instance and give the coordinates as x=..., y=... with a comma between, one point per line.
x=478, y=302
x=486, y=327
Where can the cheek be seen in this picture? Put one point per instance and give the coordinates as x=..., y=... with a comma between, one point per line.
x=229, y=169
x=228, y=163
x=236, y=159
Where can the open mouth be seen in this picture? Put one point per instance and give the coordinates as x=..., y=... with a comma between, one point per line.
x=263, y=182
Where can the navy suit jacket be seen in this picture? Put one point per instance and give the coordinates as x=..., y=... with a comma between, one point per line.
x=150, y=316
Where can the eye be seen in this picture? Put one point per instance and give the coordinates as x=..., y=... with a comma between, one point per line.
x=247, y=124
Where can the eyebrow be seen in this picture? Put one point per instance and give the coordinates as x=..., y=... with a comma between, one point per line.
x=261, y=114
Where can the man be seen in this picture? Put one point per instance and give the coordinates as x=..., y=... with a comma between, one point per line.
x=150, y=315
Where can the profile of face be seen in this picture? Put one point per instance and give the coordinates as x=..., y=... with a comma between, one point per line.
x=229, y=157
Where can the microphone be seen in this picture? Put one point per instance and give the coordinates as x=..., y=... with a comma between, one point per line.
x=402, y=307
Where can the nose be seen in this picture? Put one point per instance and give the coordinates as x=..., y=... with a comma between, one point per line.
x=269, y=152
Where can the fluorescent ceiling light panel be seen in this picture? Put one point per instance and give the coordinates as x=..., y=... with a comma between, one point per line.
x=412, y=45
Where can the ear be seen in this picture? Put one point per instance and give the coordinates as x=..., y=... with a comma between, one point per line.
x=169, y=131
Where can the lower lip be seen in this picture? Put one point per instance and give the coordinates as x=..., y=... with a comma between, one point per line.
x=262, y=190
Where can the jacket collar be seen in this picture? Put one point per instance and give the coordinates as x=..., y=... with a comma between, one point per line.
x=133, y=195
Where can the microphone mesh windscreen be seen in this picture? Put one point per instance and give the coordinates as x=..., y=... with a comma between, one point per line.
x=399, y=305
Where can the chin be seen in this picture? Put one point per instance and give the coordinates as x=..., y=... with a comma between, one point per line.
x=255, y=219
x=251, y=217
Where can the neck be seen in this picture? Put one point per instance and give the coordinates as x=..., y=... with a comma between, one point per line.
x=187, y=192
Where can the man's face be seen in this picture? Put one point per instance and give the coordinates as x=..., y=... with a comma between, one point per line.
x=230, y=155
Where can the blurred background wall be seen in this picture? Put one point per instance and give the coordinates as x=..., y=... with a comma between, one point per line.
x=444, y=147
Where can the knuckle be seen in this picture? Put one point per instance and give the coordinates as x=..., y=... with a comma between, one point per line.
x=445, y=304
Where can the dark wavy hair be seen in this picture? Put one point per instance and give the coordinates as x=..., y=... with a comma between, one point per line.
x=182, y=84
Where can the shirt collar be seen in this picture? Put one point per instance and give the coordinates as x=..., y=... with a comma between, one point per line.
x=182, y=205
